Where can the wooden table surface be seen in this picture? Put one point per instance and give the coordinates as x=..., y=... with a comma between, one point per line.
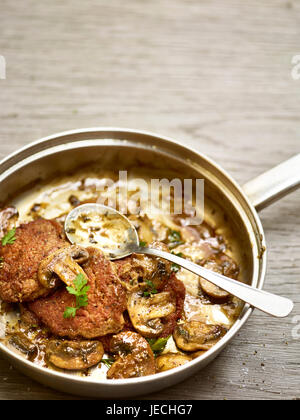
x=214, y=74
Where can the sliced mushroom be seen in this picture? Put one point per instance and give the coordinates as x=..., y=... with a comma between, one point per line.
x=8, y=219
x=229, y=267
x=22, y=343
x=74, y=355
x=210, y=289
x=135, y=270
x=194, y=335
x=233, y=308
x=213, y=291
x=63, y=263
x=170, y=361
x=146, y=312
x=135, y=357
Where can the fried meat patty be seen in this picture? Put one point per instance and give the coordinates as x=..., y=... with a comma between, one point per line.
x=106, y=303
x=20, y=260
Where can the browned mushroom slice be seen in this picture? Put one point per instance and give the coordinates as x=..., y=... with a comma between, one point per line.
x=8, y=219
x=135, y=357
x=195, y=335
x=213, y=291
x=74, y=355
x=170, y=361
x=133, y=271
x=63, y=263
x=146, y=312
x=210, y=289
x=22, y=343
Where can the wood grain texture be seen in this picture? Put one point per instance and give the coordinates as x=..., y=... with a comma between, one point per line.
x=214, y=74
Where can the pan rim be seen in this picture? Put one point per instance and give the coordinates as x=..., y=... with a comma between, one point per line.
x=247, y=311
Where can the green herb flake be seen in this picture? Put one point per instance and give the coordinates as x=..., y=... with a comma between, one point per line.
x=9, y=238
x=108, y=362
x=143, y=244
x=70, y=312
x=174, y=238
x=151, y=289
x=175, y=268
x=174, y=235
x=79, y=290
x=158, y=345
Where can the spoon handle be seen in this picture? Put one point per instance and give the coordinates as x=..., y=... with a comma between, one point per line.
x=269, y=303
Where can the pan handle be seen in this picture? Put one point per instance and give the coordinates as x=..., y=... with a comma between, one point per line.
x=274, y=184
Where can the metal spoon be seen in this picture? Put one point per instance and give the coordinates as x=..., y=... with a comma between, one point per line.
x=115, y=235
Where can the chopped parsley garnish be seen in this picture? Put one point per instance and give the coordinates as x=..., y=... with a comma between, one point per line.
x=158, y=345
x=151, y=289
x=174, y=238
x=9, y=238
x=108, y=362
x=79, y=290
x=176, y=267
x=174, y=235
x=70, y=312
x=143, y=244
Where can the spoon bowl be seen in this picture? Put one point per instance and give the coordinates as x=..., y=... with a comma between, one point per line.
x=102, y=227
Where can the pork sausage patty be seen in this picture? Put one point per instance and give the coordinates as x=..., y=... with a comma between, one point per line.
x=106, y=303
x=20, y=260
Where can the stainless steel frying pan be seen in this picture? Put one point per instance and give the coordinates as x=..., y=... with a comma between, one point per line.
x=232, y=207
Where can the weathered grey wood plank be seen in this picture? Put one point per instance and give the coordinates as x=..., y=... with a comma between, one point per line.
x=217, y=76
